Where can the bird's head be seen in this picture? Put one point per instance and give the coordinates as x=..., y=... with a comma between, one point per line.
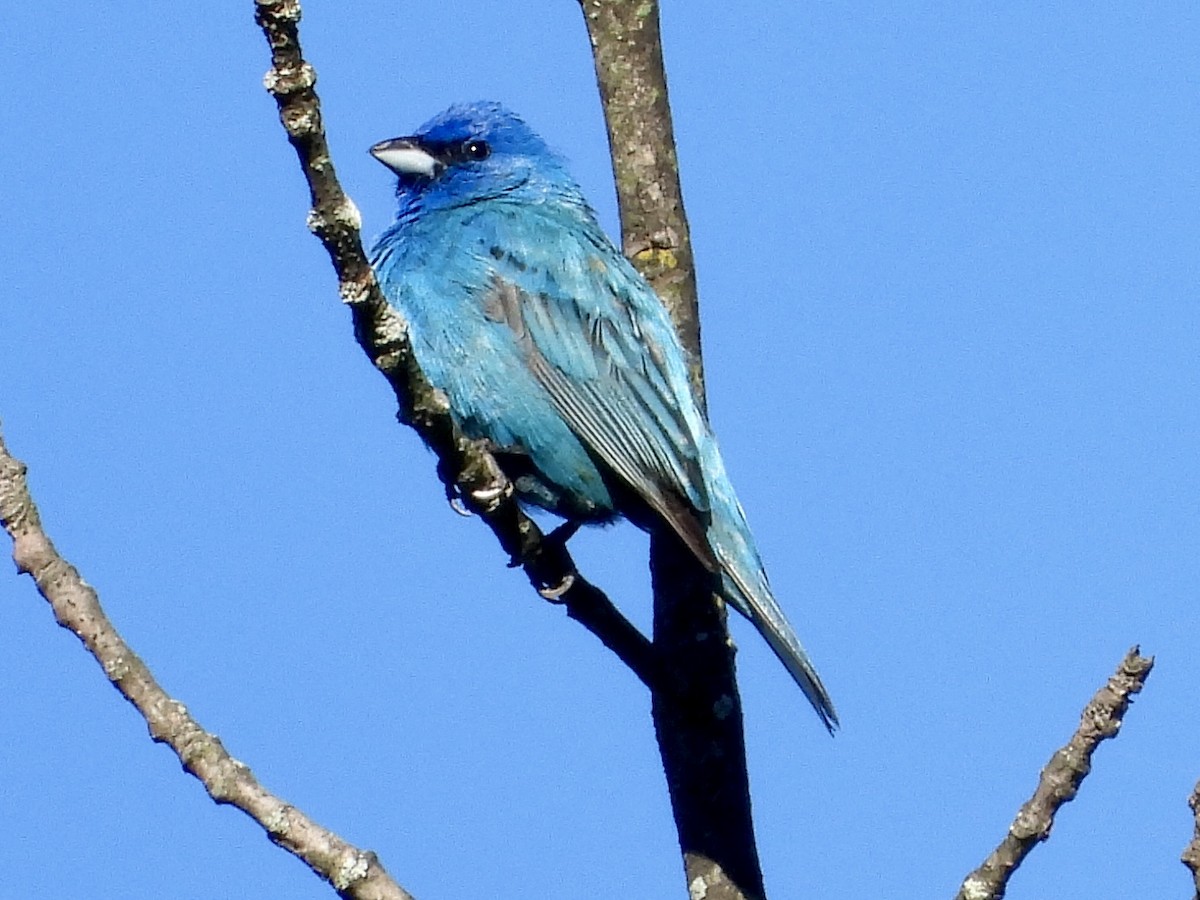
x=473, y=152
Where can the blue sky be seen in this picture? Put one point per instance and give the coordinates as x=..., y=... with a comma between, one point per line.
x=948, y=267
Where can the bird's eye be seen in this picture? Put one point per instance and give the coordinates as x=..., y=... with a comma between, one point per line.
x=476, y=150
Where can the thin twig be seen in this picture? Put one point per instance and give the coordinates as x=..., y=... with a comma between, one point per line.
x=699, y=732
x=354, y=873
x=465, y=464
x=1191, y=853
x=1060, y=780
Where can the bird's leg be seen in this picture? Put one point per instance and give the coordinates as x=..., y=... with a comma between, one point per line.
x=554, y=542
x=564, y=532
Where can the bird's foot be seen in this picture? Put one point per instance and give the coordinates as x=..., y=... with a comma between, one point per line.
x=492, y=496
x=487, y=498
x=554, y=546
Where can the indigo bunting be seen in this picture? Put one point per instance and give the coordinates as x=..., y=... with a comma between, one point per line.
x=552, y=348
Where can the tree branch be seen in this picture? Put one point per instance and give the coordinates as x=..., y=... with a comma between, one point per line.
x=355, y=874
x=699, y=731
x=627, y=50
x=465, y=465
x=1060, y=780
x=1191, y=853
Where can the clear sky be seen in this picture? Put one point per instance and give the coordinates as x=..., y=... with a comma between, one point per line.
x=948, y=268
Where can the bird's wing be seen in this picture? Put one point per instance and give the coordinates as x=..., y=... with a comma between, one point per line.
x=599, y=341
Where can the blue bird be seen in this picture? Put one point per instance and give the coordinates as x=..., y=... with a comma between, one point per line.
x=553, y=349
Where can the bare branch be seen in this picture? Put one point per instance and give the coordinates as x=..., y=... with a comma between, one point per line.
x=699, y=731
x=1060, y=780
x=1191, y=853
x=354, y=873
x=464, y=465
x=627, y=49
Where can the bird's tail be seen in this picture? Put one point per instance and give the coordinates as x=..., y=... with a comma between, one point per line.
x=756, y=602
x=746, y=589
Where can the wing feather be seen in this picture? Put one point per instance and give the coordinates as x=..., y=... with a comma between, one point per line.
x=592, y=334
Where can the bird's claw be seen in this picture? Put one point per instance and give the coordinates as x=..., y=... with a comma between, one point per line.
x=487, y=497
x=491, y=496
x=554, y=594
x=453, y=493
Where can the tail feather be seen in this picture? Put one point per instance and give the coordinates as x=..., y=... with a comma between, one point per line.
x=757, y=603
x=745, y=581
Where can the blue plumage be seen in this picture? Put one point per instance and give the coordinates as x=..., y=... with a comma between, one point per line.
x=550, y=346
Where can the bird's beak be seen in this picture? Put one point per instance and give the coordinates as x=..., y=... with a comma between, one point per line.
x=405, y=156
